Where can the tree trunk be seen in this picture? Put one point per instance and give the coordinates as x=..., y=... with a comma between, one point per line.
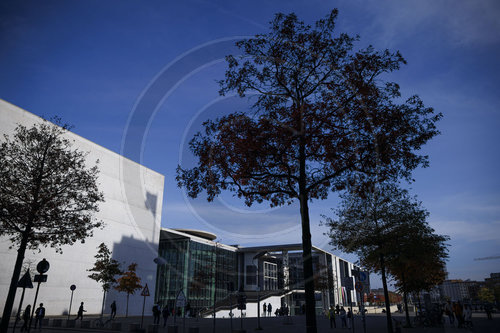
x=386, y=295
x=306, y=245
x=9, y=302
x=405, y=298
x=103, y=299
x=126, y=311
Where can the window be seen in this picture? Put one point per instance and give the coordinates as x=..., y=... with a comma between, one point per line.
x=251, y=275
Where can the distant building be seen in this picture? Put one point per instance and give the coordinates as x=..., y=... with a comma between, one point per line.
x=454, y=290
x=193, y=262
x=493, y=280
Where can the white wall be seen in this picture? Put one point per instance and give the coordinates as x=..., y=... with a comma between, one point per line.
x=132, y=215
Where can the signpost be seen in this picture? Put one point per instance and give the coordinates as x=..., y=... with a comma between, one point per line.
x=42, y=267
x=24, y=282
x=230, y=289
x=359, y=289
x=242, y=305
x=72, y=288
x=180, y=302
x=349, y=285
x=145, y=293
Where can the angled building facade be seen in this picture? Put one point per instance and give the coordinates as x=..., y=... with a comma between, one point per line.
x=131, y=213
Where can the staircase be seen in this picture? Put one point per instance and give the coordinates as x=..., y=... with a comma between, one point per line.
x=252, y=297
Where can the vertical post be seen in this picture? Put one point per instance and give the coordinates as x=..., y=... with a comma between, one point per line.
x=231, y=309
x=19, y=310
x=241, y=319
x=70, y=303
x=34, y=305
x=215, y=284
x=352, y=312
x=258, y=309
x=143, y=305
x=363, y=318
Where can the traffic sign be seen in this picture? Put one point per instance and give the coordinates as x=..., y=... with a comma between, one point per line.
x=25, y=281
x=363, y=276
x=180, y=301
x=359, y=287
x=40, y=278
x=145, y=291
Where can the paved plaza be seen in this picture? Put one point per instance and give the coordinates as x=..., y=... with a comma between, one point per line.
x=374, y=324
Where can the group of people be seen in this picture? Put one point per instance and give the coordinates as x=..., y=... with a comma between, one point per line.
x=346, y=317
x=39, y=315
x=462, y=313
x=267, y=308
x=165, y=312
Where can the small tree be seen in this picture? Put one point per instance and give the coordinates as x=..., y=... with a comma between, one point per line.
x=129, y=282
x=48, y=195
x=418, y=262
x=367, y=223
x=322, y=116
x=486, y=295
x=105, y=269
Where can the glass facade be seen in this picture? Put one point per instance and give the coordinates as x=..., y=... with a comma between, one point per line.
x=195, y=268
x=270, y=276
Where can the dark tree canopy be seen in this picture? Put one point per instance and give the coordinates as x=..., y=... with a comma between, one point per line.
x=313, y=89
x=105, y=268
x=48, y=194
x=321, y=116
x=379, y=225
x=419, y=260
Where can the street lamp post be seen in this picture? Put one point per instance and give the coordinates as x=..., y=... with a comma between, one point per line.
x=257, y=256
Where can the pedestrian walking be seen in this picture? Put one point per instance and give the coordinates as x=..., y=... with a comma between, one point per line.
x=448, y=310
x=113, y=310
x=331, y=315
x=269, y=309
x=349, y=318
x=488, y=309
x=264, y=310
x=467, y=316
x=156, y=314
x=80, y=312
x=343, y=317
x=39, y=315
x=26, y=318
x=459, y=313
x=165, y=313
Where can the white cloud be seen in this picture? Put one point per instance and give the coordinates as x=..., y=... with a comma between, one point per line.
x=464, y=22
x=468, y=231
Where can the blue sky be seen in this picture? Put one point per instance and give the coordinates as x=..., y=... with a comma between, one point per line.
x=94, y=62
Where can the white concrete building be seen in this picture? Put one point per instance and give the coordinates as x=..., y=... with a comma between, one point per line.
x=132, y=215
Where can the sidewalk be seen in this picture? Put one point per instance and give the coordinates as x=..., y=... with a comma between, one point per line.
x=374, y=324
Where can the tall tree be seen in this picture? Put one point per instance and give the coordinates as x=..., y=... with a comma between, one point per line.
x=105, y=269
x=320, y=111
x=368, y=222
x=418, y=261
x=48, y=194
x=129, y=282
